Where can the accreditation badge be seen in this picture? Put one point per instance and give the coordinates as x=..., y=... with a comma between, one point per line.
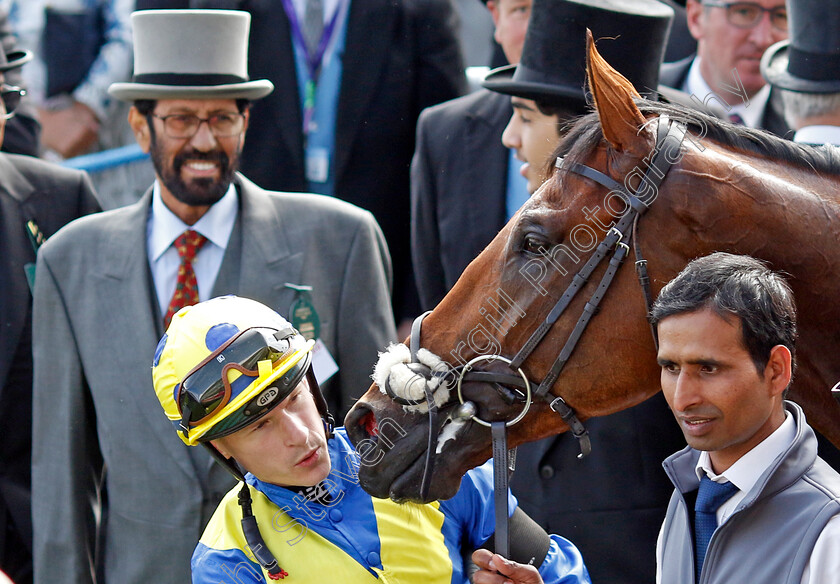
x=37, y=239
x=317, y=164
x=305, y=319
x=302, y=313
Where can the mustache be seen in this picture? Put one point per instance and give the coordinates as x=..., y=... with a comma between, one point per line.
x=213, y=156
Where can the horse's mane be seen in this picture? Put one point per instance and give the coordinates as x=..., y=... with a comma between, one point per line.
x=585, y=134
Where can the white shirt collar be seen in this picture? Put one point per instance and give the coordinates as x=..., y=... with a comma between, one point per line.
x=216, y=224
x=746, y=471
x=696, y=85
x=818, y=135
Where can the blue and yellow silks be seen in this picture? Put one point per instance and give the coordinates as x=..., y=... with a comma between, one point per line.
x=358, y=539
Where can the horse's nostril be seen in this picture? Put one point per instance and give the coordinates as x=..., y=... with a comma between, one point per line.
x=368, y=422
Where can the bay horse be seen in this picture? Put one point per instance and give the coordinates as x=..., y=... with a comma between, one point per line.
x=695, y=185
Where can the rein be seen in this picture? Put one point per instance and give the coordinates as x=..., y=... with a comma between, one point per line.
x=615, y=241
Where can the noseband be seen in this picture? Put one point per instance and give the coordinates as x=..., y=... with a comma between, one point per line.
x=615, y=242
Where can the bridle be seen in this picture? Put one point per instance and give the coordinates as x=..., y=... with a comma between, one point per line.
x=615, y=243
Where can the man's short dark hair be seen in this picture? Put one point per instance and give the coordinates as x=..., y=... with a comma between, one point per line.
x=735, y=285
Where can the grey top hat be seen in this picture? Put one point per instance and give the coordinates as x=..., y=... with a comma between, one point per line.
x=809, y=60
x=631, y=36
x=191, y=54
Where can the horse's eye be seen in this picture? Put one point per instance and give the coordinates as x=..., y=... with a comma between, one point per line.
x=534, y=245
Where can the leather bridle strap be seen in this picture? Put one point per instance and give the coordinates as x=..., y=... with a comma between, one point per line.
x=498, y=431
x=644, y=280
x=428, y=467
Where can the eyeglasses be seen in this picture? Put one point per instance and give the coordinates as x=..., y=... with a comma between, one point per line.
x=749, y=14
x=222, y=125
x=206, y=389
x=11, y=98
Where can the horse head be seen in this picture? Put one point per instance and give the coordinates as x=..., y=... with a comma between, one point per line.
x=547, y=310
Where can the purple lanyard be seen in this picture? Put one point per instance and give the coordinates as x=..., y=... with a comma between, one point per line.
x=313, y=62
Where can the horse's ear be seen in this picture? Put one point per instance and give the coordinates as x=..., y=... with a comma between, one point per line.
x=614, y=95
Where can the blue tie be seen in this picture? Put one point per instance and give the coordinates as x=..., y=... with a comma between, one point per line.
x=710, y=496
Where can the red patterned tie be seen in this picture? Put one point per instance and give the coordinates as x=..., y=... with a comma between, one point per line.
x=186, y=287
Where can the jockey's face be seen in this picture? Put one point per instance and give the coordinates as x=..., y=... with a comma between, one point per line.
x=723, y=46
x=722, y=403
x=534, y=136
x=511, y=20
x=287, y=446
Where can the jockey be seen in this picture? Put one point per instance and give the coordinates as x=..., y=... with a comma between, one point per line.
x=236, y=377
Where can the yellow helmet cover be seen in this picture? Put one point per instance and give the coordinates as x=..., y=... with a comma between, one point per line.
x=223, y=364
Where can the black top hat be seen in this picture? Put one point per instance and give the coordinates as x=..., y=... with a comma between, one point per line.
x=13, y=59
x=631, y=36
x=809, y=61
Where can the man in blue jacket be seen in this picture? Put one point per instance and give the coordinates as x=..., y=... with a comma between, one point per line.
x=752, y=501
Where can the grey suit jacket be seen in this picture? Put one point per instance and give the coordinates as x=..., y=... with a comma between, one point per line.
x=96, y=324
x=458, y=188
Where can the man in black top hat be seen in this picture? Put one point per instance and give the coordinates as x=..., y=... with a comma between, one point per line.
x=547, y=86
x=610, y=507
x=806, y=68
x=723, y=76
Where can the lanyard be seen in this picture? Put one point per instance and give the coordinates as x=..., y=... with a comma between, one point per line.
x=313, y=61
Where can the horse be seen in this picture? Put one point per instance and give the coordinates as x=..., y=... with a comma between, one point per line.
x=672, y=183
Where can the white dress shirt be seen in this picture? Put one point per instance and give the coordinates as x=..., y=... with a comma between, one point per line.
x=818, y=134
x=163, y=228
x=751, y=112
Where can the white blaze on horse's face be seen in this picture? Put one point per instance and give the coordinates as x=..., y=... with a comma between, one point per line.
x=392, y=368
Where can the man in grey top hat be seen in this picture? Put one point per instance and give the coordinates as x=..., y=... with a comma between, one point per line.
x=105, y=286
x=806, y=68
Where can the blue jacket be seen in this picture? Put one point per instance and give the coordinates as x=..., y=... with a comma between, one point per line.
x=357, y=538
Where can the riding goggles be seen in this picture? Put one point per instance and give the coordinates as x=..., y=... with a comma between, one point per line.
x=240, y=381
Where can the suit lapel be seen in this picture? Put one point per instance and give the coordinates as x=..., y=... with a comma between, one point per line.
x=369, y=30
x=129, y=300
x=267, y=261
x=773, y=119
x=15, y=251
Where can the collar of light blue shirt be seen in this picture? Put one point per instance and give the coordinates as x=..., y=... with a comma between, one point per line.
x=216, y=225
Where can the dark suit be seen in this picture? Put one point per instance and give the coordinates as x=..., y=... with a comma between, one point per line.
x=400, y=57
x=96, y=322
x=50, y=196
x=773, y=120
x=611, y=503
x=458, y=188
